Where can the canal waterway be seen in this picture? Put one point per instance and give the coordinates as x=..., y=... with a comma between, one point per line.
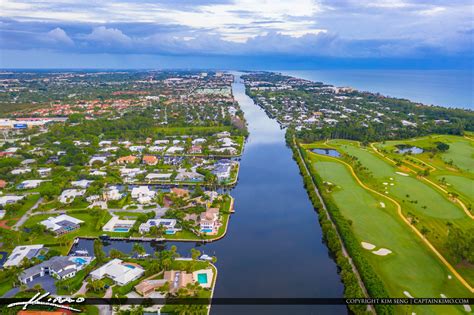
x=273, y=247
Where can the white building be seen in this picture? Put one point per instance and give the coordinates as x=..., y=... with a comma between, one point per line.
x=61, y=224
x=112, y=193
x=22, y=252
x=5, y=200
x=158, y=176
x=117, y=225
x=143, y=194
x=30, y=183
x=119, y=271
x=68, y=195
x=168, y=224
x=83, y=183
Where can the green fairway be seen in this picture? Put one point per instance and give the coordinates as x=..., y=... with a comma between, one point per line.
x=462, y=185
x=461, y=152
x=410, y=267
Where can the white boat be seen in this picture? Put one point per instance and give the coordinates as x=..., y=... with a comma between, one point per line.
x=205, y=257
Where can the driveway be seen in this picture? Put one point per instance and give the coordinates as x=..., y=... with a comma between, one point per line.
x=46, y=282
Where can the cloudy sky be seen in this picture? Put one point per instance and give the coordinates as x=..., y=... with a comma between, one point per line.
x=236, y=33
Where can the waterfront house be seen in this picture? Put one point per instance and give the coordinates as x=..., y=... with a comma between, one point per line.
x=158, y=176
x=209, y=221
x=180, y=192
x=119, y=271
x=195, y=149
x=143, y=194
x=59, y=267
x=146, y=288
x=112, y=193
x=177, y=279
x=115, y=224
x=168, y=224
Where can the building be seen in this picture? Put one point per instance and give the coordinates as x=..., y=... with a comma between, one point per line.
x=143, y=194
x=195, y=149
x=59, y=267
x=62, y=224
x=117, y=225
x=44, y=171
x=112, y=193
x=150, y=160
x=148, y=287
x=30, y=184
x=119, y=271
x=168, y=224
x=5, y=200
x=22, y=252
x=180, y=192
x=3, y=184
x=158, y=176
x=209, y=221
x=83, y=183
x=222, y=171
x=68, y=195
x=178, y=279
x=126, y=159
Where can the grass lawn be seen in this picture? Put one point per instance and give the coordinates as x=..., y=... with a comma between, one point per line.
x=411, y=266
x=29, y=202
x=462, y=185
x=431, y=207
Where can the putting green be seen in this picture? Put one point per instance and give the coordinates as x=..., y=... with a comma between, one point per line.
x=411, y=266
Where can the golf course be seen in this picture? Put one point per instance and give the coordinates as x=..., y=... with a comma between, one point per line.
x=402, y=219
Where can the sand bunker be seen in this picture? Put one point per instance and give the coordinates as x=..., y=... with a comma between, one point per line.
x=467, y=308
x=391, y=184
x=382, y=204
x=408, y=294
x=382, y=252
x=442, y=295
x=400, y=173
x=450, y=277
x=367, y=245
x=385, y=184
x=391, y=178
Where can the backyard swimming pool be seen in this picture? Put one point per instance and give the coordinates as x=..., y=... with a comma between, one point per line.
x=79, y=260
x=202, y=278
x=121, y=229
x=130, y=266
x=206, y=230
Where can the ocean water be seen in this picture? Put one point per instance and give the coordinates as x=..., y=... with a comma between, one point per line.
x=449, y=88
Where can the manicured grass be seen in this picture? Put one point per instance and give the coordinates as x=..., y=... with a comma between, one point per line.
x=432, y=208
x=411, y=267
x=462, y=185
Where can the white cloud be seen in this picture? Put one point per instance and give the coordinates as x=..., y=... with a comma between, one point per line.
x=60, y=36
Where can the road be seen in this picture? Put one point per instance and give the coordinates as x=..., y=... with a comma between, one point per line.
x=25, y=217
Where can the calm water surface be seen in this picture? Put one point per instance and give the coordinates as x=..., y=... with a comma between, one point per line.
x=449, y=88
x=273, y=247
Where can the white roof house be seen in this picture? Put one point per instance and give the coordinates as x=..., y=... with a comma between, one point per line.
x=158, y=176
x=113, y=193
x=161, y=141
x=44, y=171
x=117, y=225
x=97, y=173
x=84, y=183
x=143, y=194
x=119, y=271
x=68, y=195
x=21, y=252
x=169, y=224
x=199, y=141
x=174, y=149
x=30, y=183
x=4, y=200
x=19, y=171
x=61, y=224
x=155, y=148
x=227, y=142
x=102, y=159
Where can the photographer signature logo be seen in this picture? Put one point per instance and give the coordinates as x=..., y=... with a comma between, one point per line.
x=43, y=299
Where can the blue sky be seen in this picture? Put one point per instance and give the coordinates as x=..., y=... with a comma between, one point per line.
x=236, y=34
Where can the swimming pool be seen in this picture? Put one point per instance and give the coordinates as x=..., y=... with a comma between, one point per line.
x=130, y=266
x=206, y=230
x=121, y=229
x=202, y=278
x=79, y=260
